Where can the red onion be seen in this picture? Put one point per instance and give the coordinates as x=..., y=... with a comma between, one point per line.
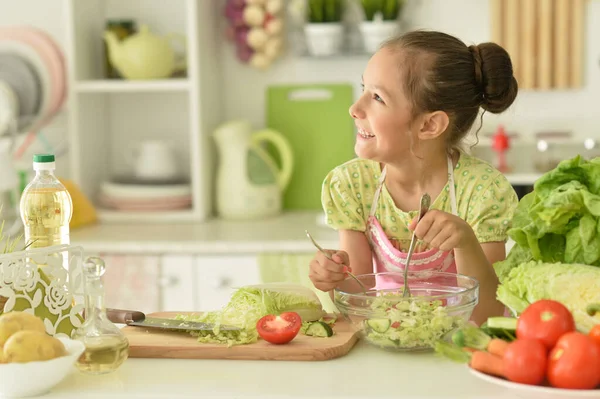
x=241, y=35
x=237, y=18
x=243, y=52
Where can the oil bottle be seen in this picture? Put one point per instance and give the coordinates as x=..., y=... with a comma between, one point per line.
x=46, y=206
x=106, y=347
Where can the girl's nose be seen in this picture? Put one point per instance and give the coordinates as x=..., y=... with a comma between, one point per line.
x=355, y=111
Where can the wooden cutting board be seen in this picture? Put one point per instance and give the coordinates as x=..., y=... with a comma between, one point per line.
x=154, y=343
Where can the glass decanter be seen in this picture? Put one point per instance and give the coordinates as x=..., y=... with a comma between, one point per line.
x=106, y=346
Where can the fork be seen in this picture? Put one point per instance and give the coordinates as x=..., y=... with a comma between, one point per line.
x=423, y=208
x=328, y=256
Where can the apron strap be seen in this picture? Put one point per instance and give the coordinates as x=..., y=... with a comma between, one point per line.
x=451, y=187
x=377, y=192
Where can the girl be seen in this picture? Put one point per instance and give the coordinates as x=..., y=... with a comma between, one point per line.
x=421, y=94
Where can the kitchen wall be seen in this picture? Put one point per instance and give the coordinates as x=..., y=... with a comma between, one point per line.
x=244, y=88
x=469, y=20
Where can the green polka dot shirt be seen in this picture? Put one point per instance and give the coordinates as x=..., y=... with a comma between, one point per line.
x=485, y=199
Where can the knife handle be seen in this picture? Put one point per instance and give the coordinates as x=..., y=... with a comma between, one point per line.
x=121, y=316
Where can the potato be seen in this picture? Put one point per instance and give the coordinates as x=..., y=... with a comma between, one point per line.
x=13, y=322
x=30, y=346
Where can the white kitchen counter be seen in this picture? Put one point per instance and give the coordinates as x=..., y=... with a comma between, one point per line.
x=284, y=233
x=364, y=373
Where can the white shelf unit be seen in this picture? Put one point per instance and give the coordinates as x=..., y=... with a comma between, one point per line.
x=108, y=118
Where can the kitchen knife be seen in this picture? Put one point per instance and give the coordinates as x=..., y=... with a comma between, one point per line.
x=137, y=318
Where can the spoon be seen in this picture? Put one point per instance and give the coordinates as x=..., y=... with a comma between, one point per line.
x=423, y=208
x=328, y=256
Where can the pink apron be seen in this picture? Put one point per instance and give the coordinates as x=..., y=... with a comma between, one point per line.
x=386, y=258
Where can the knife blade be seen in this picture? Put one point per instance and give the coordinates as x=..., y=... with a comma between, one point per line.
x=137, y=318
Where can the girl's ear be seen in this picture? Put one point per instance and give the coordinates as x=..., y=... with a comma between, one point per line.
x=433, y=125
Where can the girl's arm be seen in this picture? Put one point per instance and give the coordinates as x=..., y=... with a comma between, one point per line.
x=356, y=245
x=476, y=261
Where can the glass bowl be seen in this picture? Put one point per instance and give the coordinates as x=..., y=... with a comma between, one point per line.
x=440, y=302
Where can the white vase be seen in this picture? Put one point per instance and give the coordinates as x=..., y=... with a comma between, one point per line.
x=323, y=39
x=374, y=33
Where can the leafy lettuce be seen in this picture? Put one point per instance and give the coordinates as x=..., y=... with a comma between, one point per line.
x=574, y=285
x=559, y=221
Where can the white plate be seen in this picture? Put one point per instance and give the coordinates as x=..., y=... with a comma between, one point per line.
x=137, y=191
x=537, y=392
x=17, y=72
x=37, y=63
x=9, y=107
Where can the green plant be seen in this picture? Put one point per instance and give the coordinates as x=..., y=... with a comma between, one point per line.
x=323, y=11
x=8, y=245
x=389, y=9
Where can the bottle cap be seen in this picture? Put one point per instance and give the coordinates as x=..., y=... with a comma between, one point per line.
x=43, y=162
x=43, y=158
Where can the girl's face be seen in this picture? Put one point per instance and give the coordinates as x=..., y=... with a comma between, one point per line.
x=382, y=113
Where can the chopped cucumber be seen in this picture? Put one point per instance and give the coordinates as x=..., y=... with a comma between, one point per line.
x=379, y=325
x=319, y=329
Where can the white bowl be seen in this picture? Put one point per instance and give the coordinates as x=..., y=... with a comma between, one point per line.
x=18, y=380
x=535, y=391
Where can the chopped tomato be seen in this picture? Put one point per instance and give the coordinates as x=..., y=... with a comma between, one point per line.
x=395, y=324
x=574, y=362
x=525, y=361
x=546, y=320
x=279, y=329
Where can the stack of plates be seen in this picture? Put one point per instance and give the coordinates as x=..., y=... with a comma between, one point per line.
x=132, y=195
x=32, y=70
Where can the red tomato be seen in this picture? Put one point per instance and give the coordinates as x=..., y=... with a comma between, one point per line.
x=574, y=362
x=279, y=329
x=546, y=320
x=525, y=361
x=595, y=333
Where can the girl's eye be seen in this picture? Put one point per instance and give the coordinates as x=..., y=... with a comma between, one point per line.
x=377, y=98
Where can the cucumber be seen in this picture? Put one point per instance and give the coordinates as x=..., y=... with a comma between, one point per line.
x=501, y=327
x=379, y=325
x=319, y=329
x=504, y=323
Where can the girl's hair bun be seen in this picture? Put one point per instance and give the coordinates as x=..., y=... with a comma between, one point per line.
x=494, y=76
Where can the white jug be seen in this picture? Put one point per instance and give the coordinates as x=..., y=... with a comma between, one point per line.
x=249, y=183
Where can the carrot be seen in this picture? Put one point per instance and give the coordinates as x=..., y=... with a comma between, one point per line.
x=487, y=363
x=497, y=347
x=467, y=349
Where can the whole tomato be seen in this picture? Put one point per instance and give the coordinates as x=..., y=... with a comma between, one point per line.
x=595, y=333
x=546, y=320
x=574, y=362
x=525, y=361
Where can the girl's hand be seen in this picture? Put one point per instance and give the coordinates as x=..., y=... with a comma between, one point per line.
x=326, y=274
x=443, y=230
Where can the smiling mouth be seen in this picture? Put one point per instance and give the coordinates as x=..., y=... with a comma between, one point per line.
x=364, y=134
